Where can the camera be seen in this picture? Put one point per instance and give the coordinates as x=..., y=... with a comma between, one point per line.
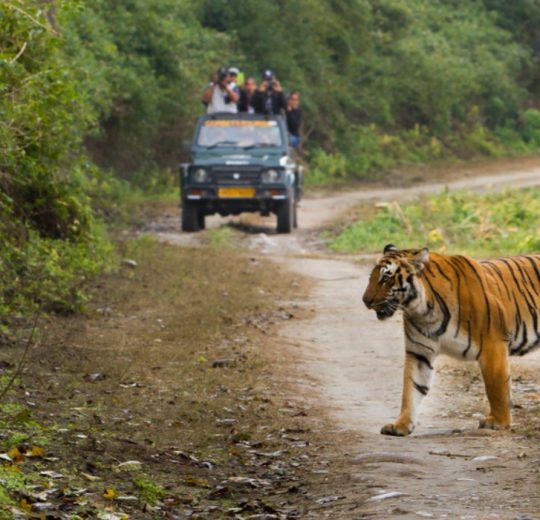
x=222, y=75
x=268, y=76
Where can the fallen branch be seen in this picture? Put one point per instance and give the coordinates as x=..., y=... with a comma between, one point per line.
x=20, y=365
x=449, y=454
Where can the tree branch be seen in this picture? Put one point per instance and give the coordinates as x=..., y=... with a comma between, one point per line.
x=28, y=15
x=20, y=53
x=18, y=370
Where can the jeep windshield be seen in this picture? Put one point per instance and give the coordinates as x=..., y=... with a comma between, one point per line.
x=239, y=133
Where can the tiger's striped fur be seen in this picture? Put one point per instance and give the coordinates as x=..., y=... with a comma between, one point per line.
x=471, y=310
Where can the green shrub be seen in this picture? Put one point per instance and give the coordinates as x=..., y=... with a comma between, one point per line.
x=531, y=126
x=326, y=168
x=494, y=224
x=149, y=492
x=51, y=274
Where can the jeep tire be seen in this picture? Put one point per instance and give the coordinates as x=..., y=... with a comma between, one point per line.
x=201, y=219
x=285, y=216
x=190, y=217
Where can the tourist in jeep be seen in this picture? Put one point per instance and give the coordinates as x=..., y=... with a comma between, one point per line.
x=294, y=119
x=245, y=104
x=221, y=95
x=269, y=97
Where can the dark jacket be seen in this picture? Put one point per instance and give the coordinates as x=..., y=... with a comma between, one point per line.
x=245, y=101
x=294, y=120
x=269, y=103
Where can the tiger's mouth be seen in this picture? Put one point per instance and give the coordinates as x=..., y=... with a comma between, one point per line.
x=385, y=312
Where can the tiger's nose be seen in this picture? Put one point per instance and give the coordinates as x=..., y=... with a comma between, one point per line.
x=368, y=301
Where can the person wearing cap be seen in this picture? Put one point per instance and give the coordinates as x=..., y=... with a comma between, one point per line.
x=233, y=75
x=220, y=96
x=269, y=97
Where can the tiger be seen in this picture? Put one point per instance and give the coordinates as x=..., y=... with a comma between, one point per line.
x=482, y=311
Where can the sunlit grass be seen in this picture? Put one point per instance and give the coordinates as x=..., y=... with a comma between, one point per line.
x=483, y=225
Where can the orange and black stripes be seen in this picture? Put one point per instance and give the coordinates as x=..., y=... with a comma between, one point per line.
x=461, y=307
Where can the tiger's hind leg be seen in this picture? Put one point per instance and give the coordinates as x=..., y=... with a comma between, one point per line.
x=496, y=373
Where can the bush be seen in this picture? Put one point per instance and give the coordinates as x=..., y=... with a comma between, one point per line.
x=51, y=242
x=531, y=126
x=49, y=274
x=326, y=168
x=494, y=224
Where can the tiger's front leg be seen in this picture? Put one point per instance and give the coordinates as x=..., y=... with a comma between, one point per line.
x=417, y=377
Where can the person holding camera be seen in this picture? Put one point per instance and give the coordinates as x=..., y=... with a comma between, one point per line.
x=220, y=95
x=269, y=98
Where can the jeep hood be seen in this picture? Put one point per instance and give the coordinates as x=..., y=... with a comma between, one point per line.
x=238, y=159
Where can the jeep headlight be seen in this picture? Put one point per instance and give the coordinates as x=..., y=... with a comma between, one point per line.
x=270, y=176
x=200, y=175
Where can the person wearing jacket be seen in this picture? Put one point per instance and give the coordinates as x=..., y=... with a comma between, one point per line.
x=294, y=119
x=269, y=97
x=245, y=104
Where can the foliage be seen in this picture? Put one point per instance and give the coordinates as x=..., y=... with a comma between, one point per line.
x=522, y=21
x=494, y=224
x=386, y=82
x=149, y=492
x=11, y=482
x=143, y=65
x=531, y=126
x=50, y=242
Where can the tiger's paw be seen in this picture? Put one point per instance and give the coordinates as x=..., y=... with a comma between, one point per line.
x=397, y=430
x=490, y=423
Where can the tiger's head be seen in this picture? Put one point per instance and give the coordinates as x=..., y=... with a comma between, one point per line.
x=393, y=283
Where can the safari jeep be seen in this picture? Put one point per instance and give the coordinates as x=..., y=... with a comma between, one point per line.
x=239, y=163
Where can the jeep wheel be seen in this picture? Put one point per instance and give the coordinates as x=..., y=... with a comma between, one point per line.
x=201, y=220
x=190, y=217
x=285, y=216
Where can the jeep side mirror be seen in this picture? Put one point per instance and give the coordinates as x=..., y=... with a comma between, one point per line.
x=186, y=146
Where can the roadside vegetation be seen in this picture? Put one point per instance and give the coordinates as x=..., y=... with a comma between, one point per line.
x=496, y=224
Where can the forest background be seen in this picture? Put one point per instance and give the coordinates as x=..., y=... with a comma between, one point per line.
x=96, y=99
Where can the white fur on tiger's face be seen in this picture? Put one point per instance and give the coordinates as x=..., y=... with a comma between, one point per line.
x=393, y=283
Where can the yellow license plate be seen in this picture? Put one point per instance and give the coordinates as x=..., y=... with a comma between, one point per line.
x=236, y=193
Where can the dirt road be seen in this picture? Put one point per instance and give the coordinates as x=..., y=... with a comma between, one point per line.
x=351, y=364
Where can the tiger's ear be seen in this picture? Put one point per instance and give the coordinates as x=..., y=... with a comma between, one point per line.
x=420, y=259
x=389, y=247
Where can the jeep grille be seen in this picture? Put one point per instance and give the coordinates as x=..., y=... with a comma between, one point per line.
x=236, y=176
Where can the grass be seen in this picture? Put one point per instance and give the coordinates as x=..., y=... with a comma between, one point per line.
x=222, y=237
x=149, y=492
x=494, y=224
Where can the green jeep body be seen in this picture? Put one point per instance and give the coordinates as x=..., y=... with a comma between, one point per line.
x=240, y=162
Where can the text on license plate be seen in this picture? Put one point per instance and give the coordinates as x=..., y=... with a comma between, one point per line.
x=236, y=193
